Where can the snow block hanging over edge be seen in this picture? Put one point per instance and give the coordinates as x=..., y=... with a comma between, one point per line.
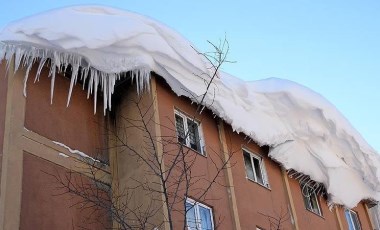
x=305, y=132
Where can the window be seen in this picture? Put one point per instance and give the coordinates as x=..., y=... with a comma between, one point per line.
x=254, y=168
x=374, y=211
x=188, y=132
x=310, y=199
x=198, y=216
x=352, y=219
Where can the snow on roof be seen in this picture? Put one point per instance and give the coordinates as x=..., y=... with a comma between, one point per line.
x=304, y=131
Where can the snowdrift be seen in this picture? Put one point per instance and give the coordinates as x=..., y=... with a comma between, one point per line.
x=304, y=131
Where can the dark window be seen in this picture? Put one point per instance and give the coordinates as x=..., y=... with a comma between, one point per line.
x=310, y=199
x=254, y=168
x=188, y=132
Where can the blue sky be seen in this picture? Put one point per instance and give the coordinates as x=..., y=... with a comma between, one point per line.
x=330, y=46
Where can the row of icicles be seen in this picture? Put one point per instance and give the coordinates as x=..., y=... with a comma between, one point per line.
x=59, y=61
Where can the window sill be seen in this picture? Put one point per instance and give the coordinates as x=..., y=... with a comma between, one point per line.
x=315, y=213
x=191, y=149
x=261, y=185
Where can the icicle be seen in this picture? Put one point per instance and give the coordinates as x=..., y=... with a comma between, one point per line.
x=95, y=85
x=84, y=73
x=111, y=85
x=29, y=63
x=105, y=98
x=74, y=76
x=18, y=57
x=26, y=56
x=90, y=83
x=52, y=86
x=40, y=66
x=52, y=71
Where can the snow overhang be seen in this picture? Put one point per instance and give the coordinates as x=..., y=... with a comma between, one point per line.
x=305, y=132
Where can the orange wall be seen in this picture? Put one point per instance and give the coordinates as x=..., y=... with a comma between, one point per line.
x=254, y=200
x=363, y=217
x=75, y=126
x=3, y=102
x=307, y=218
x=42, y=208
x=217, y=198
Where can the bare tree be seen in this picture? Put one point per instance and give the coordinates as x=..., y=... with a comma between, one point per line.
x=166, y=178
x=277, y=221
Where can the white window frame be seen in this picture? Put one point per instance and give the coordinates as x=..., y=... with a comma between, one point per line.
x=186, y=130
x=196, y=206
x=262, y=168
x=310, y=195
x=353, y=216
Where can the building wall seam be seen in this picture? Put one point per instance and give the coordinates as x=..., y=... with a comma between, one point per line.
x=290, y=198
x=229, y=178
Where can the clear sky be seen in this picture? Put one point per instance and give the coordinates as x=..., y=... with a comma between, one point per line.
x=330, y=46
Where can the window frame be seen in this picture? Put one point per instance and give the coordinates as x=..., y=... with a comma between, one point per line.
x=353, y=215
x=198, y=222
x=187, y=142
x=307, y=202
x=260, y=159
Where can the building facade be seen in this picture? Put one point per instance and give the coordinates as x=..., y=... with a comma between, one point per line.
x=234, y=184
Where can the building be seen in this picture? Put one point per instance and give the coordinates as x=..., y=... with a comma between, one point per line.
x=41, y=141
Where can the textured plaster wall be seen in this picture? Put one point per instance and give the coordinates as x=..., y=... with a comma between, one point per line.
x=3, y=102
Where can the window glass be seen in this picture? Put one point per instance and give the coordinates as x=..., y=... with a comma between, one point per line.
x=254, y=168
x=355, y=220
x=205, y=217
x=180, y=129
x=188, y=132
x=248, y=166
x=190, y=216
x=193, y=135
x=198, y=216
x=259, y=176
x=310, y=198
x=352, y=220
x=374, y=212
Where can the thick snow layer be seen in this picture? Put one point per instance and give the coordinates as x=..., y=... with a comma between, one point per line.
x=104, y=41
x=305, y=132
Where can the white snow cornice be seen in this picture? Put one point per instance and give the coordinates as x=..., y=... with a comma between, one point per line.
x=103, y=41
x=305, y=132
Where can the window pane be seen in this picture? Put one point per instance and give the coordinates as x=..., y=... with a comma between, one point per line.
x=352, y=220
x=190, y=216
x=180, y=129
x=314, y=202
x=355, y=219
x=305, y=195
x=248, y=166
x=259, y=175
x=374, y=211
x=193, y=135
x=310, y=199
x=205, y=218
